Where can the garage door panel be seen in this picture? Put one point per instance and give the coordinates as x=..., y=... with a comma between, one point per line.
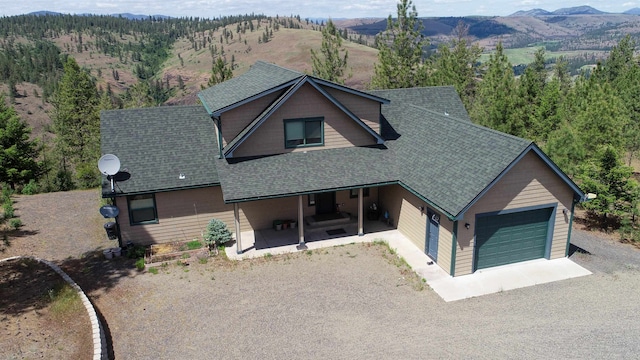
x=513, y=237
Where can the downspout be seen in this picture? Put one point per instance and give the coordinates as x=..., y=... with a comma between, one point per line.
x=573, y=206
x=218, y=122
x=454, y=246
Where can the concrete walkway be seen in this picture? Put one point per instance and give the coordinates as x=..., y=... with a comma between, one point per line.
x=482, y=282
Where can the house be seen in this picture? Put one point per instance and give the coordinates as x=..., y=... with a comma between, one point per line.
x=276, y=144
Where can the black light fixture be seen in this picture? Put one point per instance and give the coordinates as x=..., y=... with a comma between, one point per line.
x=467, y=226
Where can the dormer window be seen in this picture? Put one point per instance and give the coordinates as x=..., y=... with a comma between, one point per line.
x=303, y=132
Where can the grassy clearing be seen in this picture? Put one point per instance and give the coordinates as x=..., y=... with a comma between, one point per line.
x=64, y=300
x=526, y=55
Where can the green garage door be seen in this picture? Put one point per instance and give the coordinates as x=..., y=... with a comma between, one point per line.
x=510, y=238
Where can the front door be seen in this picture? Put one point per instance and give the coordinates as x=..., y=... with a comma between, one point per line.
x=433, y=230
x=325, y=203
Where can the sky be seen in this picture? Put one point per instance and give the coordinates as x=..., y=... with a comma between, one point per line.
x=335, y=9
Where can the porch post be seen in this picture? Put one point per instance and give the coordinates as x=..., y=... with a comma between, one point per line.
x=236, y=220
x=301, y=244
x=360, y=211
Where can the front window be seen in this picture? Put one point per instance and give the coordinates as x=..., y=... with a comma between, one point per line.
x=303, y=132
x=142, y=209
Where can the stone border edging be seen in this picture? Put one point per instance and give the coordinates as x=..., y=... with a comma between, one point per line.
x=99, y=339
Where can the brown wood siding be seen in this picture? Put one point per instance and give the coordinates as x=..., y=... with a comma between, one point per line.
x=182, y=215
x=307, y=102
x=235, y=120
x=366, y=109
x=529, y=183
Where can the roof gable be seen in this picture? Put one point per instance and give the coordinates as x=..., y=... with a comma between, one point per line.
x=263, y=78
x=258, y=121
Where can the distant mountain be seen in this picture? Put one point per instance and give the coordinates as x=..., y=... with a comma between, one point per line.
x=140, y=17
x=44, y=13
x=124, y=15
x=532, y=12
x=578, y=10
x=634, y=11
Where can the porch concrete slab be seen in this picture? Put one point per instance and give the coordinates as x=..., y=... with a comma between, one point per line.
x=481, y=282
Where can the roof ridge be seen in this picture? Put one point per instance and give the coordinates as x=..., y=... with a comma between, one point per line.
x=264, y=62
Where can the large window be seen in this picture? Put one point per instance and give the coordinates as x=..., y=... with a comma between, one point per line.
x=142, y=209
x=303, y=132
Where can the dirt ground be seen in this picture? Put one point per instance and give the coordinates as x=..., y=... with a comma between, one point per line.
x=65, y=228
x=354, y=301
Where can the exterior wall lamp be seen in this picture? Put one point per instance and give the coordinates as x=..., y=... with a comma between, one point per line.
x=467, y=226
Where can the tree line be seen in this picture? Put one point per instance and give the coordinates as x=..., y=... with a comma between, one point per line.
x=589, y=124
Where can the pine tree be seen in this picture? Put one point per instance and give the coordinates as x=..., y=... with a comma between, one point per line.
x=220, y=72
x=76, y=122
x=456, y=64
x=400, y=51
x=18, y=154
x=495, y=103
x=329, y=64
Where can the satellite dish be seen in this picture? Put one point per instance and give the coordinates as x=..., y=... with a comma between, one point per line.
x=122, y=176
x=109, y=164
x=109, y=211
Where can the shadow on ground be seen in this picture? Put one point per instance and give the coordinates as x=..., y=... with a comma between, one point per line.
x=576, y=249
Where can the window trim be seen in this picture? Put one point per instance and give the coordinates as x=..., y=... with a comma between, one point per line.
x=131, y=198
x=304, y=121
x=353, y=193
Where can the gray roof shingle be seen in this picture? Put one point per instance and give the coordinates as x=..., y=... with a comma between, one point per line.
x=157, y=144
x=261, y=78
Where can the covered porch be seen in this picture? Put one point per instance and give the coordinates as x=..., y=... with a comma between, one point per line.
x=258, y=243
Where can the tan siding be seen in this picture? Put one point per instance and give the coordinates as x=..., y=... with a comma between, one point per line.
x=365, y=109
x=529, y=183
x=182, y=215
x=307, y=102
x=444, y=243
x=258, y=215
x=235, y=120
x=350, y=205
x=403, y=208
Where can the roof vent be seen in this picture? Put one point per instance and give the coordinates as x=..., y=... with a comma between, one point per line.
x=182, y=176
x=446, y=113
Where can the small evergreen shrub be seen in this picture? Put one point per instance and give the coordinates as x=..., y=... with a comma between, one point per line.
x=216, y=233
x=31, y=188
x=140, y=264
x=8, y=210
x=15, y=223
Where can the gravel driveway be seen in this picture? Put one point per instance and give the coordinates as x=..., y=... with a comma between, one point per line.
x=340, y=303
x=350, y=302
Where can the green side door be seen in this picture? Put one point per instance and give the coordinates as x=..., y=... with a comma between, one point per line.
x=510, y=238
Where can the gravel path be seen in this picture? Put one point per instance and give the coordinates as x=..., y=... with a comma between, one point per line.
x=351, y=302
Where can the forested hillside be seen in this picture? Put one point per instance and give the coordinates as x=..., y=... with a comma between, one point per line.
x=61, y=71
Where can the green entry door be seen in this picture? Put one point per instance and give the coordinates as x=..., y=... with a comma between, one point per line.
x=512, y=237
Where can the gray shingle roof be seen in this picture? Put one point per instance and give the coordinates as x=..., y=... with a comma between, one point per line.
x=157, y=144
x=304, y=172
x=261, y=78
x=446, y=160
x=439, y=99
